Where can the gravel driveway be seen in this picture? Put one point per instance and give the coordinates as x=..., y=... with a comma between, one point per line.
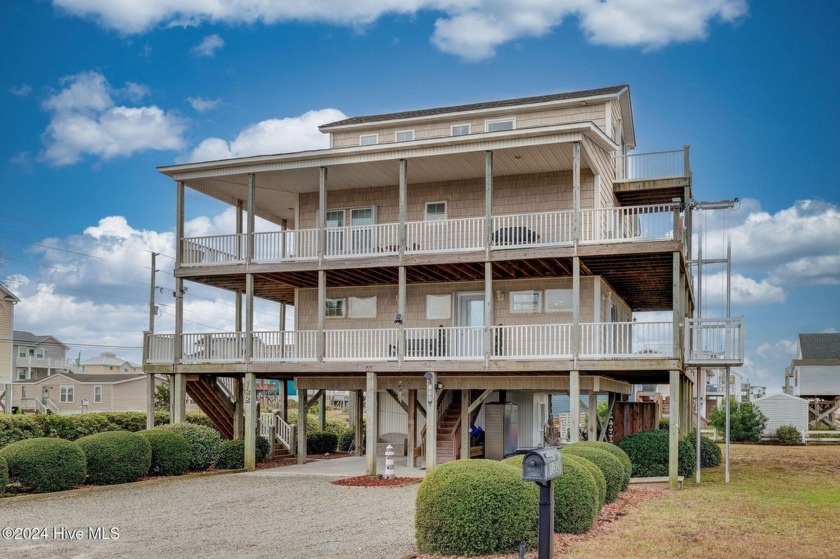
x=230, y=516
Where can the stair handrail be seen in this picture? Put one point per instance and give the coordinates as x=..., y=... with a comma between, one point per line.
x=226, y=385
x=52, y=406
x=285, y=432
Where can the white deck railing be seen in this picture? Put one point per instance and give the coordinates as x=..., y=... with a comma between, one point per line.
x=218, y=347
x=161, y=349
x=46, y=362
x=277, y=347
x=446, y=235
x=284, y=433
x=533, y=229
x=360, y=345
x=363, y=240
x=444, y=343
x=626, y=340
x=214, y=250
x=654, y=165
x=33, y=404
x=627, y=223
x=714, y=340
x=533, y=341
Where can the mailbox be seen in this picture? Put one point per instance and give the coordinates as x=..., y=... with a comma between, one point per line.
x=542, y=465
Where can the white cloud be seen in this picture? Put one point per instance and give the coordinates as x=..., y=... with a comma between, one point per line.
x=203, y=105
x=85, y=120
x=208, y=46
x=276, y=135
x=22, y=90
x=744, y=291
x=471, y=29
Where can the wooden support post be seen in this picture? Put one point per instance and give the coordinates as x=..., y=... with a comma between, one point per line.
x=674, y=431
x=372, y=412
x=357, y=421
x=322, y=215
x=250, y=217
x=574, y=406
x=249, y=319
x=301, y=426
x=488, y=202
x=403, y=205
x=676, y=318
x=322, y=309
x=179, y=392
x=150, y=401
x=593, y=415
x=238, y=410
x=401, y=313
x=412, y=428
x=465, y=425
x=284, y=400
x=250, y=404
x=431, y=420
x=576, y=194
x=322, y=412
x=488, y=312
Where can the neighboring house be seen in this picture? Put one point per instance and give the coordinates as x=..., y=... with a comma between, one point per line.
x=493, y=252
x=8, y=300
x=109, y=363
x=39, y=356
x=716, y=388
x=68, y=393
x=783, y=409
x=816, y=375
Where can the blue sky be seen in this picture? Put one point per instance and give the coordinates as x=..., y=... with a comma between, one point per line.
x=96, y=94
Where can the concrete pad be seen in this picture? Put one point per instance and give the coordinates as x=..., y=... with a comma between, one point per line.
x=350, y=466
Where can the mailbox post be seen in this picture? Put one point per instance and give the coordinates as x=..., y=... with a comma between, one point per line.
x=542, y=466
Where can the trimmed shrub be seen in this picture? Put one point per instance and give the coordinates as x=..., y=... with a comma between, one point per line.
x=133, y=421
x=746, y=422
x=595, y=472
x=116, y=457
x=710, y=454
x=15, y=428
x=618, y=453
x=335, y=426
x=648, y=451
x=43, y=464
x=205, y=444
x=321, y=442
x=609, y=465
x=263, y=448
x=576, y=499
x=788, y=434
x=171, y=452
x=4, y=475
x=345, y=441
x=475, y=507
x=232, y=455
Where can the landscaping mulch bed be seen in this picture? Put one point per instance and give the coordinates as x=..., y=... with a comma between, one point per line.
x=279, y=463
x=604, y=523
x=376, y=481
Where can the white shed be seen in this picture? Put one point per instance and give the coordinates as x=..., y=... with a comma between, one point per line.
x=783, y=409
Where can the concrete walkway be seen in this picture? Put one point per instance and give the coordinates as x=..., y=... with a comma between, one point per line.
x=351, y=466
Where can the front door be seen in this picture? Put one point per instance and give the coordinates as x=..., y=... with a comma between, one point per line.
x=469, y=318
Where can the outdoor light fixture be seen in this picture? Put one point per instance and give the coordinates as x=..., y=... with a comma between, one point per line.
x=398, y=319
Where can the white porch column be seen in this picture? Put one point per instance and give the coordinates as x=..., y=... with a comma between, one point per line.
x=238, y=409
x=412, y=427
x=593, y=415
x=301, y=426
x=359, y=396
x=465, y=425
x=674, y=431
x=574, y=406
x=372, y=412
x=431, y=420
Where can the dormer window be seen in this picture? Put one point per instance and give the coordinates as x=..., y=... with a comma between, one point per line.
x=404, y=136
x=460, y=129
x=368, y=139
x=499, y=125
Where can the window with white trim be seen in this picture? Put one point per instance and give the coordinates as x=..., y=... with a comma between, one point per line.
x=39, y=353
x=22, y=352
x=97, y=394
x=438, y=307
x=368, y=139
x=558, y=300
x=500, y=124
x=66, y=395
x=404, y=136
x=435, y=211
x=21, y=373
x=363, y=307
x=460, y=129
x=525, y=301
x=335, y=308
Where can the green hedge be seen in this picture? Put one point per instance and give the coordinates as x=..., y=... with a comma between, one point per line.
x=15, y=428
x=335, y=426
x=321, y=442
x=788, y=434
x=44, y=464
x=576, y=500
x=710, y=454
x=618, y=453
x=116, y=457
x=205, y=444
x=231, y=455
x=609, y=465
x=648, y=451
x=345, y=441
x=475, y=507
x=171, y=452
x=4, y=475
x=263, y=448
x=595, y=472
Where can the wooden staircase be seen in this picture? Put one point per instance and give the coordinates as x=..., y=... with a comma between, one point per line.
x=213, y=401
x=449, y=431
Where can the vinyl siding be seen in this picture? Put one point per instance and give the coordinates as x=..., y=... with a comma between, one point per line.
x=7, y=310
x=782, y=409
x=819, y=380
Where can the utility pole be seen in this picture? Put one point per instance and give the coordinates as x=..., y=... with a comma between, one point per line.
x=150, y=378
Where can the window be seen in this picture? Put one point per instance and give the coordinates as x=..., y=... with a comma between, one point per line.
x=368, y=139
x=435, y=211
x=97, y=394
x=438, y=307
x=525, y=301
x=125, y=369
x=39, y=353
x=362, y=307
x=460, y=129
x=499, y=125
x=22, y=352
x=110, y=367
x=558, y=300
x=66, y=395
x=335, y=308
x=21, y=374
x=404, y=136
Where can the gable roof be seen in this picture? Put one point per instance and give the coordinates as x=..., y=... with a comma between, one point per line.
x=109, y=359
x=86, y=378
x=28, y=338
x=501, y=103
x=820, y=346
x=7, y=293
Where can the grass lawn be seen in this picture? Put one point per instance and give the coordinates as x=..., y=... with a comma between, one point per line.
x=781, y=502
